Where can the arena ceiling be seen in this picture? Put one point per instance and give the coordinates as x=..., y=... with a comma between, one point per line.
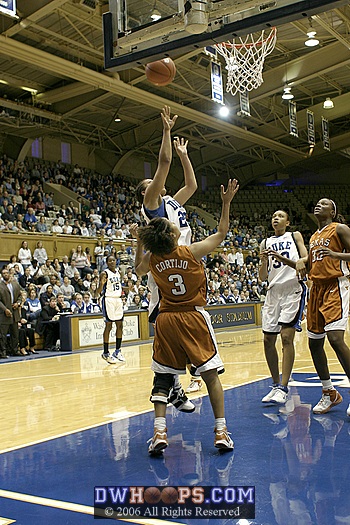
x=55, y=49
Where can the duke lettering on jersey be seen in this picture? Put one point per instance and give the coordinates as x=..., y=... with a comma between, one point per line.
x=281, y=246
x=112, y=287
x=285, y=245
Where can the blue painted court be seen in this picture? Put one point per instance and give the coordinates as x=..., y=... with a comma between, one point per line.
x=298, y=462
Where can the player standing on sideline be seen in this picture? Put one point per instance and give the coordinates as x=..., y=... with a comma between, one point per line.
x=110, y=288
x=183, y=329
x=328, y=304
x=155, y=203
x=280, y=264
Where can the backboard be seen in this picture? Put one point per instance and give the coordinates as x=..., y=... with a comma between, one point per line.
x=133, y=37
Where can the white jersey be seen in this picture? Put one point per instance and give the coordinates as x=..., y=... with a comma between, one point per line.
x=172, y=210
x=112, y=287
x=279, y=273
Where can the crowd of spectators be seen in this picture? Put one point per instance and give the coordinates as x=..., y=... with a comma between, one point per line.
x=105, y=212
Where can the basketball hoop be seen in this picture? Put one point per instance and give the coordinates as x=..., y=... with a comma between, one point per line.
x=245, y=60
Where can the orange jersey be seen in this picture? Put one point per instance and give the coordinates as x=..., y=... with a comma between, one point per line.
x=180, y=279
x=326, y=269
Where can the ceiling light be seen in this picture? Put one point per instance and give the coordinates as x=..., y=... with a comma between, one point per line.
x=287, y=94
x=311, y=41
x=31, y=90
x=117, y=119
x=224, y=111
x=328, y=103
x=156, y=15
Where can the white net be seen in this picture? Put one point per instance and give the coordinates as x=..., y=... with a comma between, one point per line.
x=245, y=60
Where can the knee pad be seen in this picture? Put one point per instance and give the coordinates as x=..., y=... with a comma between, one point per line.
x=162, y=383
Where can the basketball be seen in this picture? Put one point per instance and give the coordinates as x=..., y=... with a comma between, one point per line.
x=162, y=72
x=169, y=495
x=152, y=495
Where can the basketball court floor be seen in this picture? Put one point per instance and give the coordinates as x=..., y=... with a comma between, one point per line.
x=72, y=422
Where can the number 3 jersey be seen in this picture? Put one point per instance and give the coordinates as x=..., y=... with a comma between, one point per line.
x=180, y=279
x=285, y=245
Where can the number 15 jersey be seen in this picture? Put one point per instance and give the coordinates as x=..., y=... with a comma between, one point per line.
x=180, y=279
x=285, y=245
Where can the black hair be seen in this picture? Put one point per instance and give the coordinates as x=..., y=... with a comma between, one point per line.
x=156, y=236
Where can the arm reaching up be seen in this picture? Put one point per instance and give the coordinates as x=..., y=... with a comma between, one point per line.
x=202, y=248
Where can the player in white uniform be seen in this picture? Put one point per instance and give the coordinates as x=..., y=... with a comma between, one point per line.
x=285, y=300
x=155, y=203
x=110, y=289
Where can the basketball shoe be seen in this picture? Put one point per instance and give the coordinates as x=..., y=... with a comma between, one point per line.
x=267, y=398
x=222, y=439
x=194, y=386
x=329, y=399
x=159, y=442
x=180, y=401
x=109, y=358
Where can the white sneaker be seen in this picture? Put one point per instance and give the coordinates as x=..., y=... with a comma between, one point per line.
x=158, y=443
x=279, y=396
x=194, y=386
x=329, y=399
x=109, y=358
x=119, y=356
x=348, y=410
x=267, y=398
x=222, y=439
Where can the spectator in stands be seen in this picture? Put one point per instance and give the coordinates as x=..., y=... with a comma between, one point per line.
x=88, y=306
x=33, y=306
x=48, y=201
x=47, y=270
x=13, y=261
x=82, y=262
x=240, y=257
x=56, y=228
x=62, y=304
x=48, y=324
x=67, y=289
x=10, y=300
x=8, y=215
x=98, y=253
x=25, y=279
x=25, y=329
x=54, y=282
x=41, y=226
x=40, y=253
x=29, y=217
x=24, y=255
x=46, y=296
x=77, y=306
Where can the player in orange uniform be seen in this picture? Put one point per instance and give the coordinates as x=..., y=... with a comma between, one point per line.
x=328, y=305
x=183, y=330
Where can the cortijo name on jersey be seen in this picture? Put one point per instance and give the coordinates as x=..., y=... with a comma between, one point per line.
x=172, y=263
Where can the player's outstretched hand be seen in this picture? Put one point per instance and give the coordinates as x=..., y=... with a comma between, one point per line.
x=168, y=121
x=133, y=230
x=232, y=188
x=180, y=146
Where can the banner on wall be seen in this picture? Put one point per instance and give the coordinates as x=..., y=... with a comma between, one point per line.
x=8, y=7
x=310, y=128
x=91, y=330
x=293, y=126
x=325, y=134
x=244, y=103
x=217, y=91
